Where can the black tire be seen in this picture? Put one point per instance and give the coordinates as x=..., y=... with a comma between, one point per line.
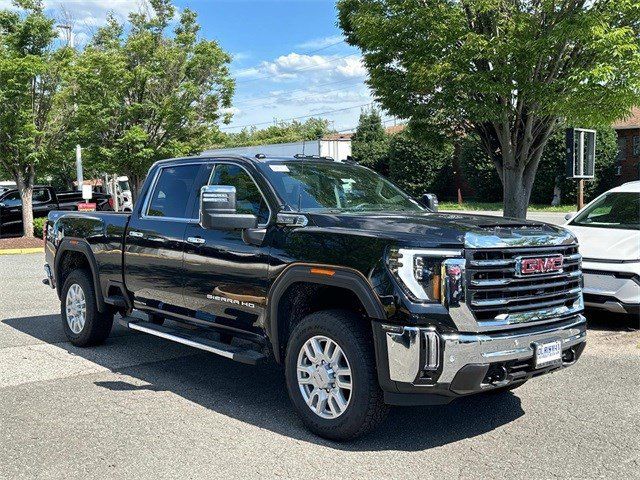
x=366, y=408
x=97, y=325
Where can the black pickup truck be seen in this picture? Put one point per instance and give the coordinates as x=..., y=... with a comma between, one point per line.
x=366, y=297
x=45, y=199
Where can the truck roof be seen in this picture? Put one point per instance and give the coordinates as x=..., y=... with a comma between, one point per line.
x=259, y=158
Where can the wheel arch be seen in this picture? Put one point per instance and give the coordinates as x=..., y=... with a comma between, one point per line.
x=347, y=281
x=76, y=253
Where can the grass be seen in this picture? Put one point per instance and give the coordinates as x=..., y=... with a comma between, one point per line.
x=476, y=206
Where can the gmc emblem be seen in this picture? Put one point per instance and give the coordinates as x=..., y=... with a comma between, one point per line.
x=538, y=265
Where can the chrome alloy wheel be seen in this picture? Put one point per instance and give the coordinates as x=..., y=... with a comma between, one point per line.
x=324, y=377
x=76, y=308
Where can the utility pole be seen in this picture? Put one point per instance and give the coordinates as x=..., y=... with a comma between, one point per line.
x=69, y=34
x=79, y=166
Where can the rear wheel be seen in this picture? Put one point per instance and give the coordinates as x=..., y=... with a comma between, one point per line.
x=331, y=375
x=83, y=324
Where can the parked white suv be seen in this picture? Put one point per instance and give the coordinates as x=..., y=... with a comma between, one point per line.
x=608, y=230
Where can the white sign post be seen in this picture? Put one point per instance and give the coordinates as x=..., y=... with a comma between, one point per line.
x=87, y=193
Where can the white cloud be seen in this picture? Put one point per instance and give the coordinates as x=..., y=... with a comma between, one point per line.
x=321, y=42
x=240, y=56
x=308, y=67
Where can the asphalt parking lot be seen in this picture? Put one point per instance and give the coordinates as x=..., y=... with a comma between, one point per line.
x=141, y=407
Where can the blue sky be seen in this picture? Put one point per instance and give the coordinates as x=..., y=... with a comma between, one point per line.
x=290, y=59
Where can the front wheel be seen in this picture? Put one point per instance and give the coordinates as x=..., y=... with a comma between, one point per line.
x=84, y=325
x=331, y=375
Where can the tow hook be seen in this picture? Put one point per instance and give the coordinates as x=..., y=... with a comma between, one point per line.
x=569, y=356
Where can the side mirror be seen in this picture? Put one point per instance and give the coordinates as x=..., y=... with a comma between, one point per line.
x=569, y=216
x=430, y=200
x=218, y=209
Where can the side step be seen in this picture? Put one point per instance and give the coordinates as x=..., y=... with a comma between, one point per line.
x=116, y=301
x=178, y=335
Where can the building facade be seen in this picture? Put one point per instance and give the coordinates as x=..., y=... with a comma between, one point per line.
x=628, y=130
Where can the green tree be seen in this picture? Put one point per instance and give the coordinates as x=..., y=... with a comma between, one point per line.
x=30, y=78
x=141, y=93
x=508, y=71
x=482, y=176
x=284, y=132
x=370, y=142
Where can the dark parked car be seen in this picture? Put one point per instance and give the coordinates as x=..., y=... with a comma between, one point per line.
x=45, y=199
x=365, y=296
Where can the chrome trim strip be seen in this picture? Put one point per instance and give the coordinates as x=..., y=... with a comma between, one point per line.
x=506, y=301
x=520, y=238
x=507, y=281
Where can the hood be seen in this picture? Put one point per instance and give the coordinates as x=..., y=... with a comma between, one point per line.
x=445, y=229
x=607, y=243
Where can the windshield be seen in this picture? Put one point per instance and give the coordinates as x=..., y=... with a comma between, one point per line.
x=335, y=187
x=614, y=210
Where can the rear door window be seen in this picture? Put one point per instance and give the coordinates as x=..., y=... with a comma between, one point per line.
x=41, y=195
x=171, y=193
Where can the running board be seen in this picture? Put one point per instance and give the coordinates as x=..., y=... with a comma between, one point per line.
x=238, y=354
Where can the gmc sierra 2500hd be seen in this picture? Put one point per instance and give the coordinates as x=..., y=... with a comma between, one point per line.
x=367, y=297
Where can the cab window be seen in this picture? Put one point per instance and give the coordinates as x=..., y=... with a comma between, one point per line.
x=12, y=199
x=248, y=196
x=170, y=196
x=41, y=195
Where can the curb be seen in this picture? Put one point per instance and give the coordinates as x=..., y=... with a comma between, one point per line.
x=18, y=251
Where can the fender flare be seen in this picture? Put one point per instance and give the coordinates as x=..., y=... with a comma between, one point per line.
x=80, y=246
x=341, y=277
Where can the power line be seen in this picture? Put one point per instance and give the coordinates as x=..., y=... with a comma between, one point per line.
x=305, y=89
x=297, y=97
x=318, y=114
x=325, y=47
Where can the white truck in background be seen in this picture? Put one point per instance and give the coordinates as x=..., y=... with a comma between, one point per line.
x=337, y=147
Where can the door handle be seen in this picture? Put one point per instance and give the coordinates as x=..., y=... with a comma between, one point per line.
x=196, y=240
x=133, y=233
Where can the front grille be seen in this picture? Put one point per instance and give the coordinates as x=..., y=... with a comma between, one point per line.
x=493, y=289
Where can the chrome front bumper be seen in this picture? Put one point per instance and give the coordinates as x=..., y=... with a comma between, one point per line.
x=409, y=351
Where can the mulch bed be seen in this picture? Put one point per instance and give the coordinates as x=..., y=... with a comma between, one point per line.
x=20, y=242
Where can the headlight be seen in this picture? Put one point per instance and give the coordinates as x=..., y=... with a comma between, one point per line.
x=420, y=271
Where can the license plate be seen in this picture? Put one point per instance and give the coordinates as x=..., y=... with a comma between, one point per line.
x=548, y=353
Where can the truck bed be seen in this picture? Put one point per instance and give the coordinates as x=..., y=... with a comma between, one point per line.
x=102, y=232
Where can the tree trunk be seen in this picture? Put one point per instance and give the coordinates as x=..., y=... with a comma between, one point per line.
x=25, y=187
x=516, y=194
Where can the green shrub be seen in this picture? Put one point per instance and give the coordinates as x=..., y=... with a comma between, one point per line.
x=479, y=172
x=38, y=225
x=419, y=166
x=552, y=169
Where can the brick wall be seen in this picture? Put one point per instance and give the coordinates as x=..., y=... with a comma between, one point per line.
x=628, y=155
